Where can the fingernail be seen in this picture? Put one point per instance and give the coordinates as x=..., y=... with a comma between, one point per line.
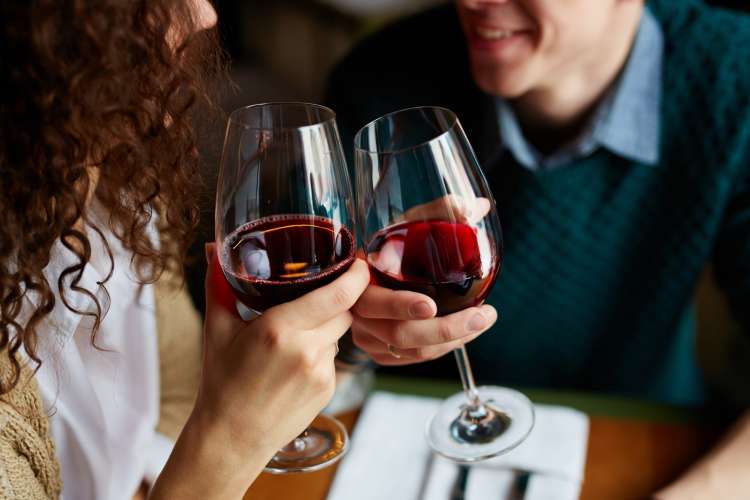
x=420, y=310
x=489, y=312
x=477, y=323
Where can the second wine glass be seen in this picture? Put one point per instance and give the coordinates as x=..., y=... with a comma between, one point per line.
x=429, y=225
x=284, y=227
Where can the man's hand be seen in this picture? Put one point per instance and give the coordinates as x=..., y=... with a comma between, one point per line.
x=406, y=322
x=400, y=327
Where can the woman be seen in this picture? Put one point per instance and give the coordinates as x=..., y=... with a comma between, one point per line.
x=97, y=165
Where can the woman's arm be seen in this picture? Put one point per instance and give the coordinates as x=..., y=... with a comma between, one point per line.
x=207, y=463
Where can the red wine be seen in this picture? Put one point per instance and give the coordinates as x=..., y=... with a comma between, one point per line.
x=282, y=257
x=438, y=258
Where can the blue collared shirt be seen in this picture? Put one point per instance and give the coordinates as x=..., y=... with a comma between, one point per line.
x=626, y=121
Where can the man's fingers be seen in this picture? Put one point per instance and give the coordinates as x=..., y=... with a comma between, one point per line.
x=429, y=332
x=481, y=208
x=325, y=303
x=381, y=303
x=422, y=340
x=380, y=353
x=451, y=207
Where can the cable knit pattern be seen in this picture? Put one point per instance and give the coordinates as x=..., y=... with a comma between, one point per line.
x=28, y=465
x=180, y=336
x=603, y=255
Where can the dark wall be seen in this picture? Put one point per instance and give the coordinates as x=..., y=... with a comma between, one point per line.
x=733, y=4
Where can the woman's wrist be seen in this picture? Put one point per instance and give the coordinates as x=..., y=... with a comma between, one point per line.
x=219, y=462
x=237, y=441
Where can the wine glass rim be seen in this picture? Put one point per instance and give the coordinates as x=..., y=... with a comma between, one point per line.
x=234, y=116
x=450, y=113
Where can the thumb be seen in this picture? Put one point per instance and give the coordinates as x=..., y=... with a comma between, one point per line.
x=222, y=319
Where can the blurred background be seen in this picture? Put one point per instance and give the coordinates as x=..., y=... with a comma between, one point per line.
x=285, y=48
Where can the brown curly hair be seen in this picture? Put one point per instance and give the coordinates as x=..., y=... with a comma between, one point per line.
x=98, y=101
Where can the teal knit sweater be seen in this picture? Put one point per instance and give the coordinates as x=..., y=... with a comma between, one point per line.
x=602, y=256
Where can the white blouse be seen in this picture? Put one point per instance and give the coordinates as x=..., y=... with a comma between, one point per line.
x=103, y=401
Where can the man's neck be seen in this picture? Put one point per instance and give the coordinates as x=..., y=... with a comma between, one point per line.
x=555, y=114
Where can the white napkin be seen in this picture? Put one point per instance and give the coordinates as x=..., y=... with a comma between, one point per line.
x=390, y=459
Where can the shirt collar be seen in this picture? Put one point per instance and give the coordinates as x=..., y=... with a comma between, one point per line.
x=627, y=120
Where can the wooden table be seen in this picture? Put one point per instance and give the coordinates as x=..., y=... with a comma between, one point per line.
x=634, y=448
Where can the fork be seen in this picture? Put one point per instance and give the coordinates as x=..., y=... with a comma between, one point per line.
x=458, y=492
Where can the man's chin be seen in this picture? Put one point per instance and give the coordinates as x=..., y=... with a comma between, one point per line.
x=499, y=84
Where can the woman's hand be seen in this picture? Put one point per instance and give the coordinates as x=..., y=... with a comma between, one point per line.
x=275, y=373
x=263, y=382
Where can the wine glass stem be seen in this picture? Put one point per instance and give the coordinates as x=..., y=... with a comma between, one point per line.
x=467, y=377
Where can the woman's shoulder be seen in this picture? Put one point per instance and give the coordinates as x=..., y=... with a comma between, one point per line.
x=28, y=464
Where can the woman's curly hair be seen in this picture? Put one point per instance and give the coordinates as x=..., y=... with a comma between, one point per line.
x=98, y=102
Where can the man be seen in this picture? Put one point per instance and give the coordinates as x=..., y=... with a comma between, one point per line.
x=616, y=139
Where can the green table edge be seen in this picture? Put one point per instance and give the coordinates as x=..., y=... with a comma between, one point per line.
x=595, y=405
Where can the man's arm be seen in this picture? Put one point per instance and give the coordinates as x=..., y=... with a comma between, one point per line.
x=723, y=472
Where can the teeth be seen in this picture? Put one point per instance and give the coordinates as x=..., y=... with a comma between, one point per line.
x=491, y=34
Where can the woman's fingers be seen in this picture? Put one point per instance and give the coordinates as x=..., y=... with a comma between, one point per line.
x=320, y=306
x=332, y=330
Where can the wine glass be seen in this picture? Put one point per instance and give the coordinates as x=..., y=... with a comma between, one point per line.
x=429, y=225
x=284, y=227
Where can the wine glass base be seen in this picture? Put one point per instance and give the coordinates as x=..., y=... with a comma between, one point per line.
x=321, y=445
x=515, y=419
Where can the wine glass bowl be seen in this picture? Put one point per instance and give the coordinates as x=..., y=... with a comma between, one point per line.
x=429, y=224
x=284, y=220
x=284, y=227
x=446, y=259
x=282, y=257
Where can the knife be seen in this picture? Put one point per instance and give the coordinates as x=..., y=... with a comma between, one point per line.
x=519, y=485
